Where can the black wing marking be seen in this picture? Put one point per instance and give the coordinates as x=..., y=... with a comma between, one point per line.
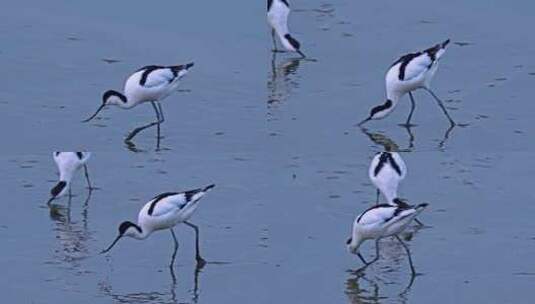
x=386, y=157
x=372, y=208
x=146, y=71
x=382, y=161
x=401, y=203
x=269, y=3
x=405, y=60
x=80, y=155
x=394, y=164
x=158, y=198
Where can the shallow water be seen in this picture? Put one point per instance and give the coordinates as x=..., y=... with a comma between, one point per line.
x=276, y=135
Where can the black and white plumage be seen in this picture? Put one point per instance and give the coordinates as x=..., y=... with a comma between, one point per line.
x=382, y=221
x=165, y=211
x=277, y=16
x=386, y=171
x=410, y=72
x=149, y=84
x=68, y=164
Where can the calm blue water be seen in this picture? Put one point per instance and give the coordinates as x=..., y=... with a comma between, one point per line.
x=276, y=135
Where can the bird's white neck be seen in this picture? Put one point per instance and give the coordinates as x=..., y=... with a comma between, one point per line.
x=394, y=96
x=66, y=176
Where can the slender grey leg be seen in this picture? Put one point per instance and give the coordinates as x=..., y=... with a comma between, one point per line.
x=377, y=200
x=441, y=105
x=376, y=252
x=162, y=119
x=418, y=222
x=87, y=178
x=198, y=258
x=413, y=106
x=139, y=129
x=176, y=248
x=408, y=254
x=362, y=258
x=372, y=261
x=274, y=40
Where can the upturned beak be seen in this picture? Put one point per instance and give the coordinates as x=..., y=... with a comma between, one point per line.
x=50, y=200
x=364, y=121
x=93, y=116
x=112, y=244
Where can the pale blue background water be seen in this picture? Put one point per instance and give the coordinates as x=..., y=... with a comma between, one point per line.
x=290, y=168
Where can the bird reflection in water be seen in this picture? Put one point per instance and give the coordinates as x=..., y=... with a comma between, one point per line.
x=361, y=289
x=281, y=80
x=155, y=296
x=73, y=236
x=390, y=145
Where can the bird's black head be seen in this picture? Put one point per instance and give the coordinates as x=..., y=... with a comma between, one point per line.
x=123, y=227
x=58, y=188
x=293, y=42
x=107, y=97
x=378, y=109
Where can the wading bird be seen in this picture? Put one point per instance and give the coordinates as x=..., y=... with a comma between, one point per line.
x=409, y=73
x=165, y=211
x=387, y=170
x=68, y=163
x=381, y=221
x=149, y=84
x=277, y=16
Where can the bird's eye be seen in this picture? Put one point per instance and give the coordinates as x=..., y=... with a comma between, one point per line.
x=349, y=241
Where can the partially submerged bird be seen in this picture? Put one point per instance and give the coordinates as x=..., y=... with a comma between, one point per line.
x=165, y=211
x=277, y=16
x=382, y=221
x=410, y=72
x=68, y=164
x=149, y=84
x=387, y=170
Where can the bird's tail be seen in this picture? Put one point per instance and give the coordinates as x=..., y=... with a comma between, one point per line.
x=421, y=207
x=438, y=50
x=195, y=195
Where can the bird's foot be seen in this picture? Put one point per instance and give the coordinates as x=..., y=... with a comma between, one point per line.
x=200, y=262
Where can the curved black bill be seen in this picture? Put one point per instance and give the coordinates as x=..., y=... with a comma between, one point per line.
x=93, y=116
x=50, y=200
x=364, y=121
x=301, y=53
x=112, y=244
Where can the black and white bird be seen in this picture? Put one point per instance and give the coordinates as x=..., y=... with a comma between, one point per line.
x=410, y=72
x=277, y=16
x=387, y=170
x=382, y=221
x=149, y=84
x=165, y=211
x=68, y=164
